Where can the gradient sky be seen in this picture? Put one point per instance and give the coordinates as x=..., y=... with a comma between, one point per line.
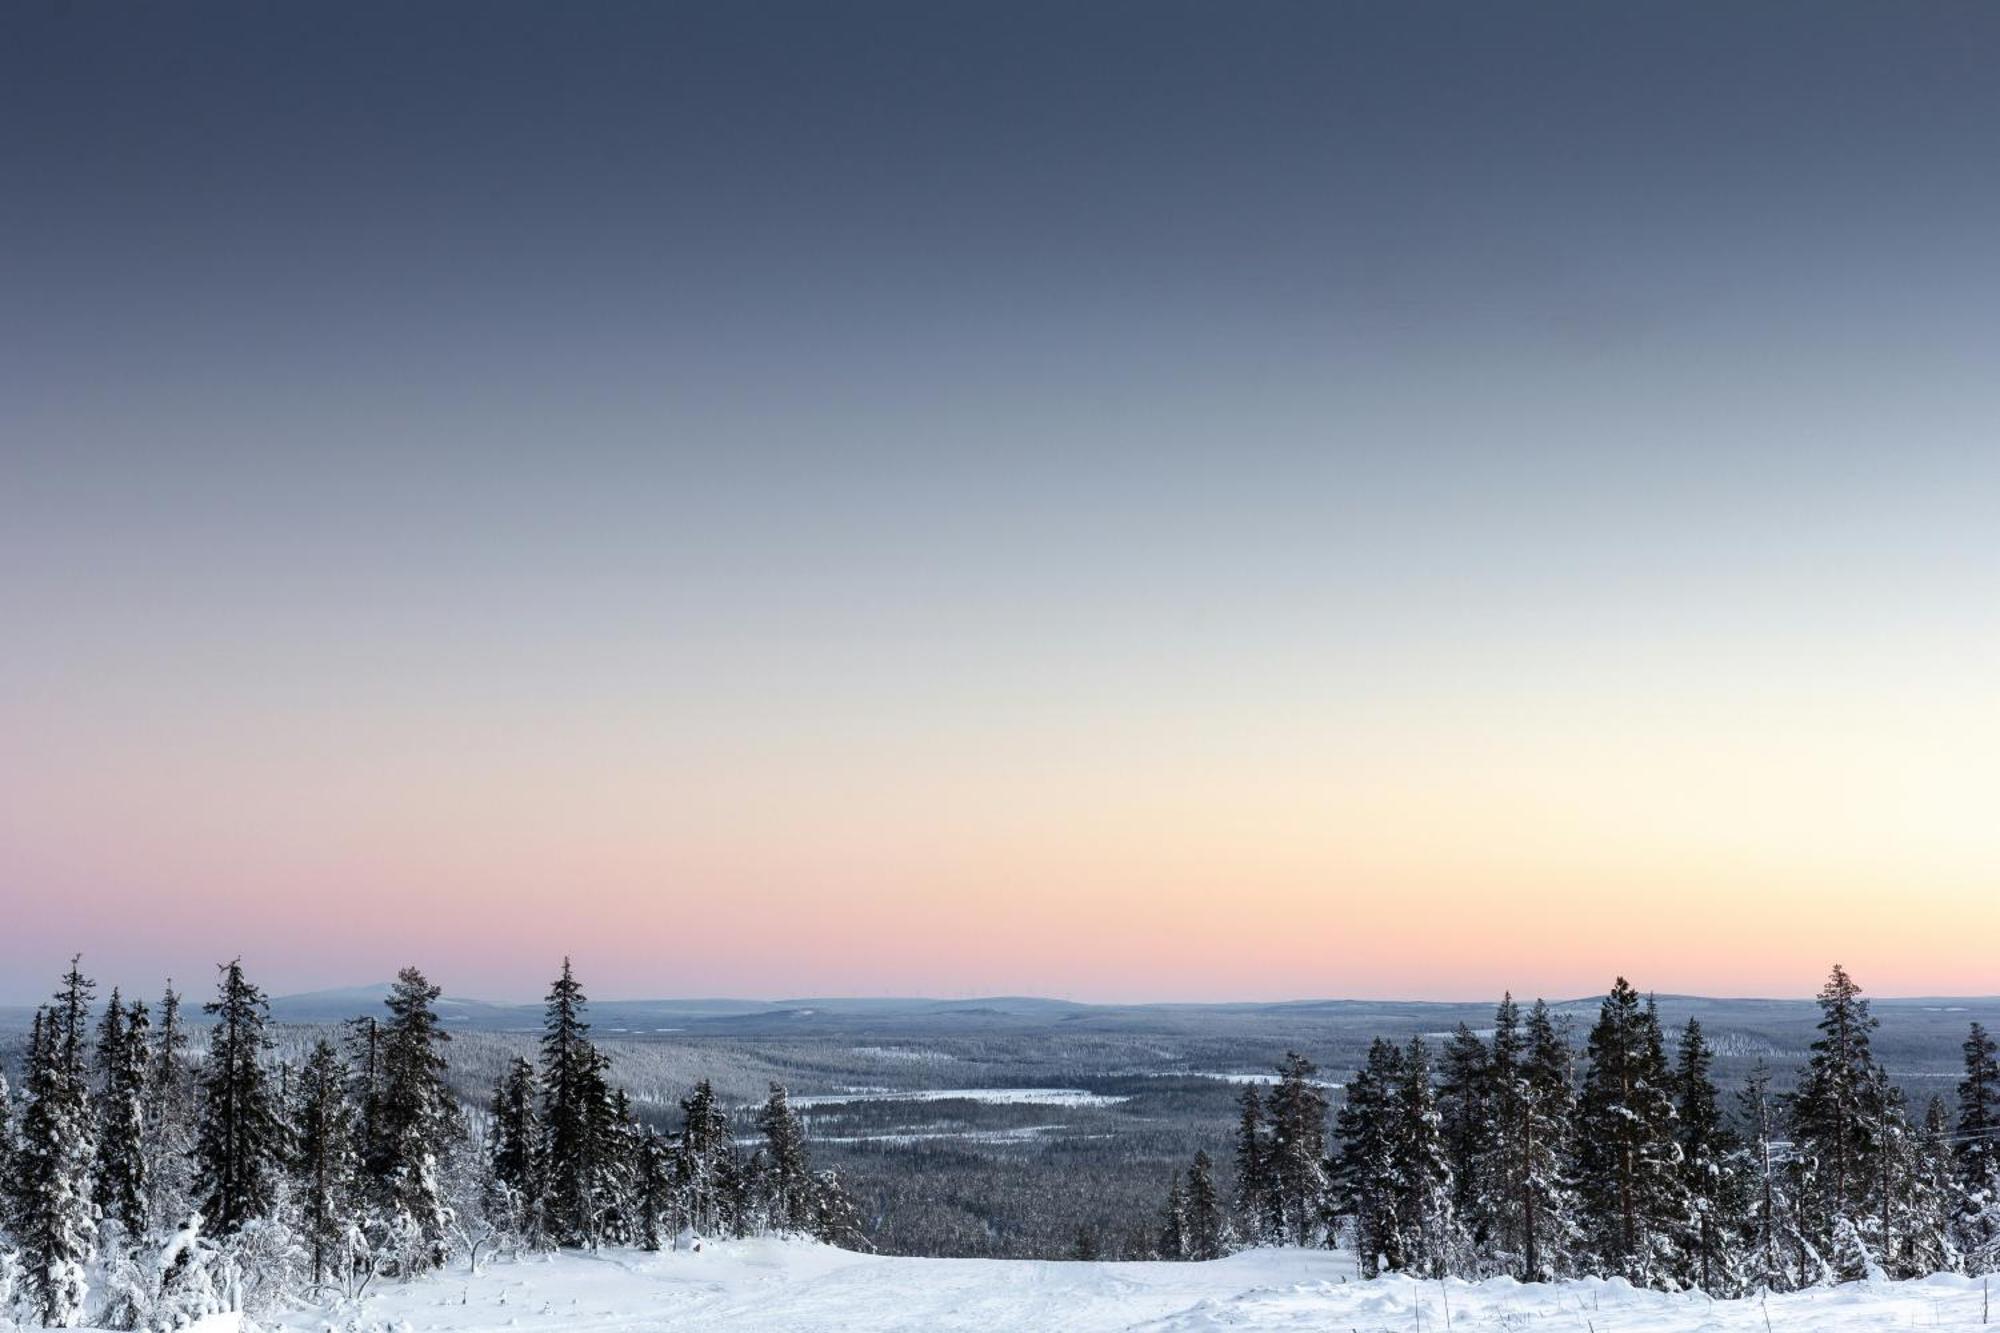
x=1146, y=500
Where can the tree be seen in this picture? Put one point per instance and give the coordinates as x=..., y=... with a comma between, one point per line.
x=1366, y=1168
x=1205, y=1229
x=1837, y=1120
x=1550, y=1229
x=1711, y=1169
x=703, y=1161
x=1173, y=1242
x=1628, y=1162
x=658, y=1200
x=835, y=1219
x=573, y=1096
x=1977, y=1154
x=123, y=1060
x=1297, y=1172
x=170, y=1120
x=327, y=1164
x=514, y=1143
x=418, y=1124
x=1432, y=1245
x=235, y=1142
x=786, y=1177
x=1253, y=1168
x=52, y=1214
x=1780, y=1256
x=1466, y=1121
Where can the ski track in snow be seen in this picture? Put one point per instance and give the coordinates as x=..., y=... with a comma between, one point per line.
x=775, y=1286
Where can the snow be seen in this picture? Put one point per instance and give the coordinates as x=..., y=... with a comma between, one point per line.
x=991, y=1096
x=769, y=1285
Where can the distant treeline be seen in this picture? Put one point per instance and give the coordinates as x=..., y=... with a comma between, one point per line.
x=145, y=1186
x=1495, y=1157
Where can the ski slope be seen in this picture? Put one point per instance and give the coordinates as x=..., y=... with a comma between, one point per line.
x=776, y=1286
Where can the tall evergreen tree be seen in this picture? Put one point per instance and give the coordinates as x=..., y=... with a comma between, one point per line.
x=1935, y=1202
x=1253, y=1168
x=786, y=1176
x=572, y=1113
x=1366, y=1168
x=327, y=1162
x=1466, y=1121
x=1173, y=1241
x=236, y=1140
x=1497, y=1196
x=170, y=1119
x=1545, y=1144
x=703, y=1162
x=1205, y=1229
x=1432, y=1244
x=418, y=1125
x=658, y=1201
x=1779, y=1257
x=1298, y=1183
x=1977, y=1152
x=1712, y=1171
x=1838, y=1120
x=1628, y=1162
x=123, y=1063
x=514, y=1142
x=53, y=1221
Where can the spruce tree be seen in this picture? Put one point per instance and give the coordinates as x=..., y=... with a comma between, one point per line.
x=1173, y=1241
x=836, y=1221
x=1206, y=1230
x=703, y=1162
x=236, y=1139
x=1628, y=1162
x=1366, y=1167
x=418, y=1124
x=1977, y=1154
x=1779, y=1257
x=514, y=1142
x=1431, y=1242
x=572, y=1113
x=1935, y=1200
x=1297, y=1180
x=1550, y=1225
x=53, y=1220
x=1466, y=1120
x=1712, y=1171
x=658, y=1200
x=1836, y=1118
x=327, y=1162
x=1497, y=1195
x=786, y=1177
x=123, y=1061
x=1253, y=1168
x=170, y=1120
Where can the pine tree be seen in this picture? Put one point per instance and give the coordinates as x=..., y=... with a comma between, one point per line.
x=1711, y=1167
x=1253, y=1169
x=122, y=1061
x=786, y=1176
x=1466, y=1120
x=572, y=1113
x=52, y=1218
x=1780, y=1257
x=1366, y=1168
x=1206, y=1231
x=703, y=1162
x=1978, y=1154
x=1837, y=1121
x=1550, y=1227
x=1497, y=1196
x=170, y=1120
x=237, y=1137
x=418, y=1124
x=1431, y=1242
x=1628, y=1162
x=1298, y=1183
x=327, y=1163
x=658, y=1200
x=1173, y=1242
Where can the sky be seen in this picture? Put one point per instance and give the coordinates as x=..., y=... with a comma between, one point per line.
x=1116, y=500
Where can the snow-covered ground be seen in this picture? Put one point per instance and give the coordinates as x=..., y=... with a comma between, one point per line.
x=773, y=1285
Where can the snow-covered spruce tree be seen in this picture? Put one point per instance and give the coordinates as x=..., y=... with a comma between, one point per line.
x=514, y=1143
x=1712, y=1163
x=1628, y=1163
x=1252, y=1198
x=1551, y=1227
x=1173, y=1240
x=1931, y=1221
x=1206, y=1228
x=237, y=1134
x=704, y=1166
x=364, y=1063
x=170, y=1122
x=785, y=1176
x=1466, y=1120
x=1298, y=1183
x=1978, y=1154
x=573, y=1115
x=1365, y=1170
x=658, y=1199
x=1837, y=1120
x=1497, y=1196
x=618, y=1168
x=52, y=1216
x=835, y=1219
x=122, y=1062
x=418, y=1125
x=1433, y=1244
x=326, y=1167
x=1778, y=1255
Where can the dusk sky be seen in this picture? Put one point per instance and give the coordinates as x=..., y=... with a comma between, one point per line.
x=1119, y=501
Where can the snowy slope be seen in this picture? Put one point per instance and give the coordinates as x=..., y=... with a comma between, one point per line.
x=771, y=1285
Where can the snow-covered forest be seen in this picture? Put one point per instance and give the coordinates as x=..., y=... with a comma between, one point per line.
x=149, y=1185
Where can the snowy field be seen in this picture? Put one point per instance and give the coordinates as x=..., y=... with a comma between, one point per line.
x=773, y=1286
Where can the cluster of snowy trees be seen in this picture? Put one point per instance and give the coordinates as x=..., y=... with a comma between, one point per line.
x=145, y=1187
x=1501, y=1156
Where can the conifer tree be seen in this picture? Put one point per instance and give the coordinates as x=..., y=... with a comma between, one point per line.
x=237, y=1137
x=514, y=1143
x=659, y=1213
x=1977, y=1152
x=1366, y=1168
x=1431, y=1244
x=1498, y=1199
x=1550, y=1227
x=703, y=1164
x=53, y=1220
x=1467, y=1122
x=836, y=1221
x=1297, y=1178
x=1628, y=1162
x=786, y=1177
x=1173, y=1241
x=170, y=1120
x=418, y=1125
x=327, y=1162
x=1779, y=1257
x=122, y=1060
x=1935, y=1204
x=1837, y=1120
x=1206, y=1230
x=1253, y=1168
x=572, y=1114
x=1711, y=1166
